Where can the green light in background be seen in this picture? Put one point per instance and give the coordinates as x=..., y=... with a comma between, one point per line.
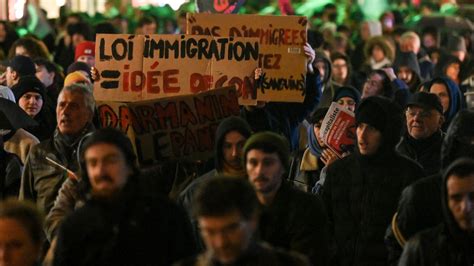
x=372, y=9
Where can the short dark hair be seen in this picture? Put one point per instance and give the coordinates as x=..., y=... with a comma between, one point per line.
x=145, y=21
x=221, y=195
x=27, y=215
x=50, y=66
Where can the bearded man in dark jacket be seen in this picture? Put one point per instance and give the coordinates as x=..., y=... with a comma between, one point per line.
x=123, y=222
x=452, y=242
x=419, y=207
x=361, y=190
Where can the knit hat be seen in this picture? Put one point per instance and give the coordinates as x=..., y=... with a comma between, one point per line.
x=456, y=43
x=28, y=84
x=426, y=101
x=269, y=142
x=233, y=123
x=23, y=65
x=347, y=91
x=372, y=114
x=407, y=59
x=84, y=48
x=76, y=77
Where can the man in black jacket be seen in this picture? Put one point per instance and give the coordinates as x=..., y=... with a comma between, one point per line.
x=452, y=242
x=361, y=190
x=122, y=216
x=290, y=219
x=419, y=207
x=422, y=141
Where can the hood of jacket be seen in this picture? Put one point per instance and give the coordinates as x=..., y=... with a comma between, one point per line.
x=459, y=139
x=229, y=124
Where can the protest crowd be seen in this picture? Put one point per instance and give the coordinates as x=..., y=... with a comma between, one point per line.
x=238, y=134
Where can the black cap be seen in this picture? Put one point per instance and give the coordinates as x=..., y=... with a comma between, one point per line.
x=23, y=65
x=28, y=84
x=426, y=101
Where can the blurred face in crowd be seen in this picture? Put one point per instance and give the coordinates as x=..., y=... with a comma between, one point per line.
x=348, y=103
x=31, y=103
x=265, y=171
x=423, y=123
x=77, y=39
x=89, y=60
x=107, y=169
x=340, y=70
x=373, y=86
x=72, y=113
x=461, y=200
x=47, y=78
x=429, y=41
x=442, y=91
x=461, y=55
x=452, y=71
x=409, y=45
x=17, y=248
x=317, y=133
x=405, y=74
x=321, y=67
x=227, y=236
x=369, y=139
x=149, y=28
x=20, y=50
x=365, y=31
x=232, y=149
x=377, y=53
x=11, y=77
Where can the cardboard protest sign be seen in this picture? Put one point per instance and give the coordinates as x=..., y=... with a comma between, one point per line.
x=143, y=67
x=281, y=48
x=219, y=6
x=174, y=127
x=338, y=129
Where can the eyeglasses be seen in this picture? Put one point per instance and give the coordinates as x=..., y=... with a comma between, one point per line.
x=420, y=114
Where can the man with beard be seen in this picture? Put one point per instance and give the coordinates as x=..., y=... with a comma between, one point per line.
x=227, y=211
x=290, y=218
x=361, y=190
x=231, y=135
x=41, y=179
x=451, y=242
x=122, y=215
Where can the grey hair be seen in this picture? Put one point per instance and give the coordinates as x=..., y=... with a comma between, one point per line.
x=85, y=90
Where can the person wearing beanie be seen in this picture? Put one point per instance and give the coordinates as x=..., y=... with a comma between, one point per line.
x=290, y=219
x=308, y=165
x=348, y=97
x=423, y=138
x=84, y=68
x=452, y=241
x=231, y=135
x=407, y=69
x=76, y=77
x=361, y=190
x=121, y=215
x=30, y=95
x=85, y=52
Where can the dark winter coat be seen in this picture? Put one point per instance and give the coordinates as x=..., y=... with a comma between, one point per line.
x=419, y=206
x=137, y=228
x=361, y=192
x=445, y=244
x=10, y=174
x=426, y=152
x=296, y=221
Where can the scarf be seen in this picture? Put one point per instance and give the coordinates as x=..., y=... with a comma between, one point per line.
x=313, y=144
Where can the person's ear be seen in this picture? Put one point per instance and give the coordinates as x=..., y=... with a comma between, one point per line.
x=441, y=120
